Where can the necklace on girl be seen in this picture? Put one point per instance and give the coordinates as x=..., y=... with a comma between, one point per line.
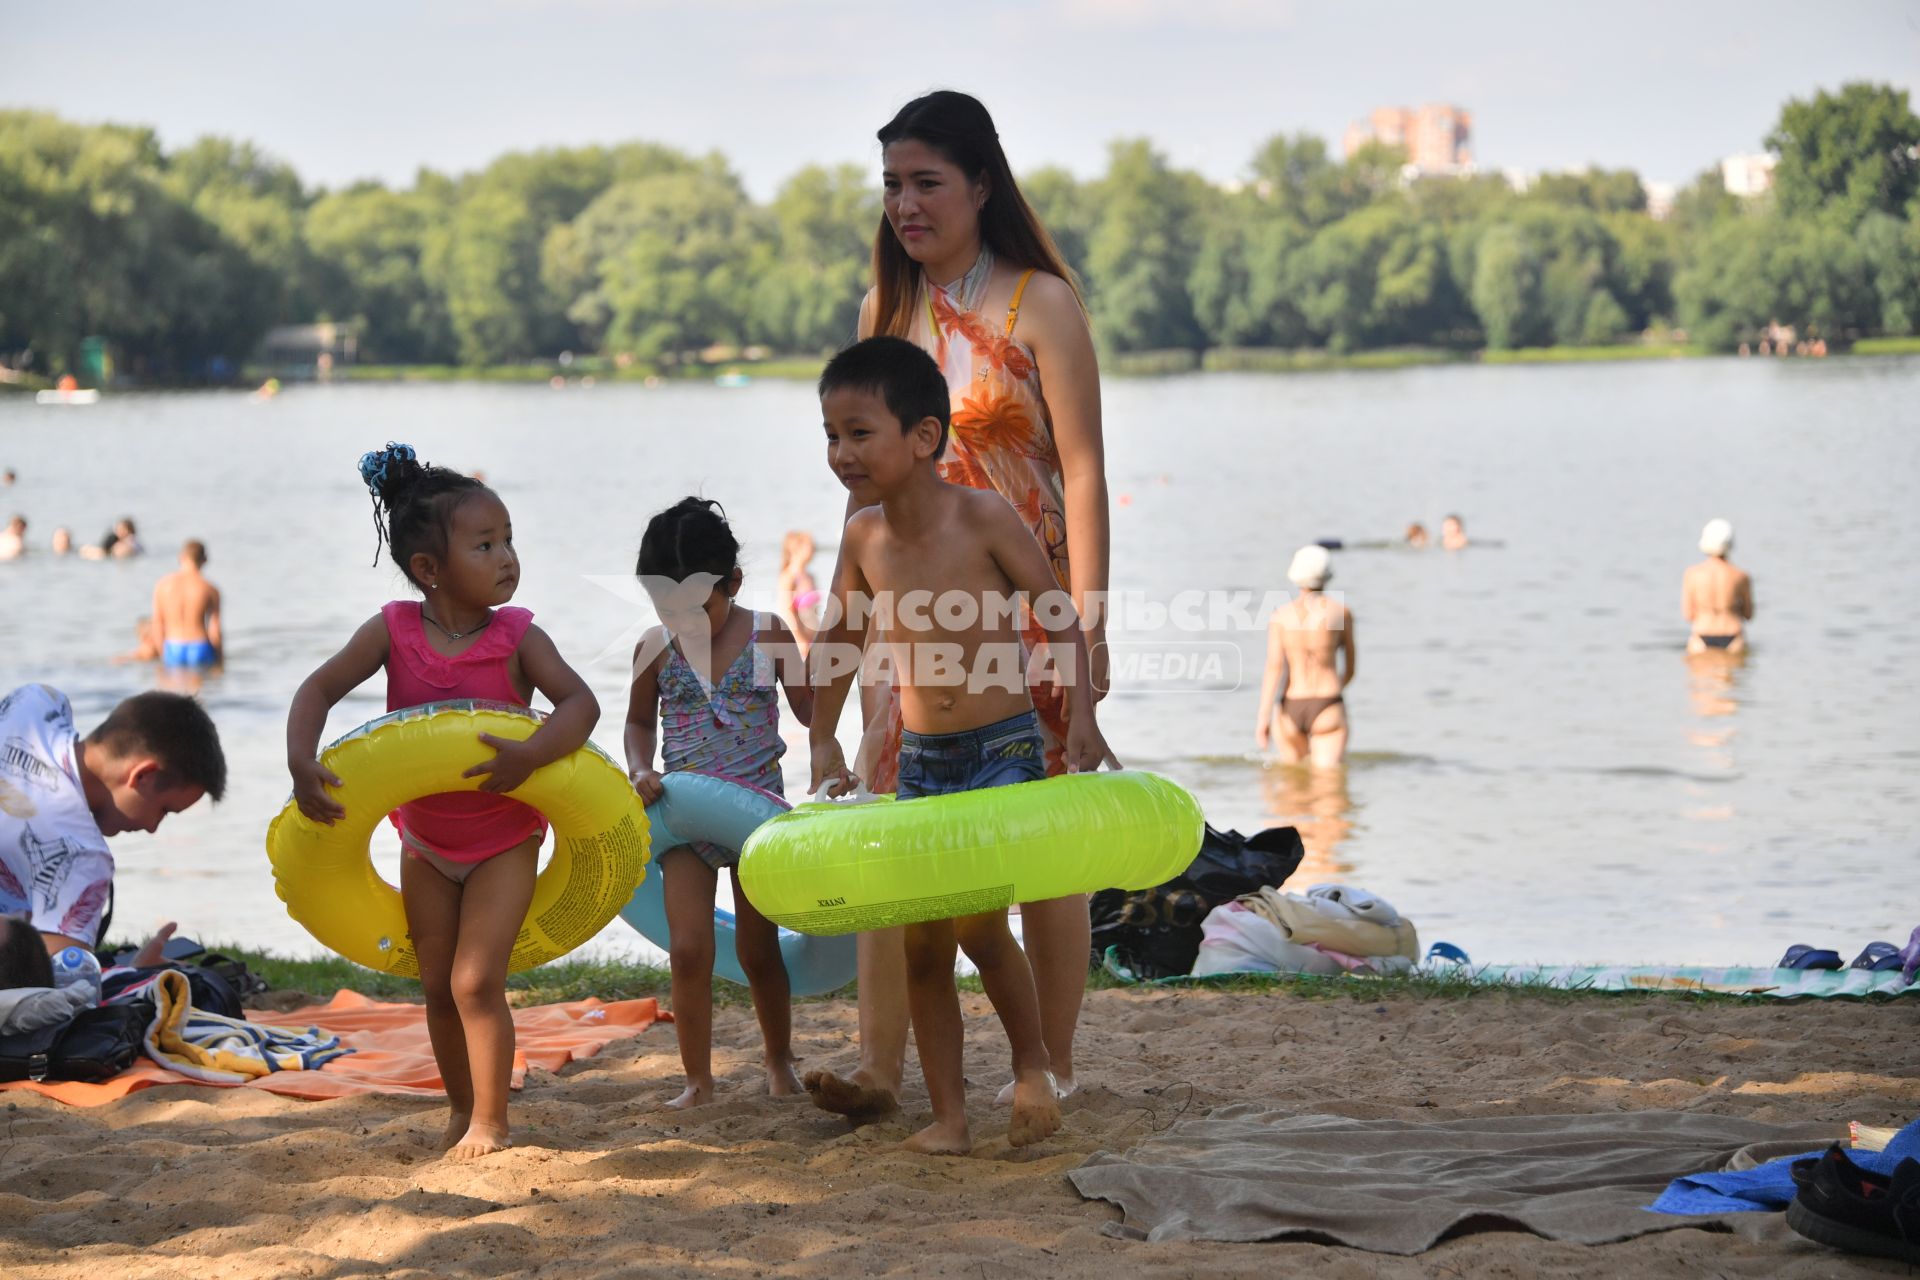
x=456, y=635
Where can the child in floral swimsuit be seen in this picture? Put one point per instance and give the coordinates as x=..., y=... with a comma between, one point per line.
x=707, y=675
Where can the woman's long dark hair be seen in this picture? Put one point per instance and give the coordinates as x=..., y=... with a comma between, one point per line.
x=959, y=128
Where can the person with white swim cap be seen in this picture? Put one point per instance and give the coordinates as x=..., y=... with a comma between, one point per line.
x=1301, y=693
x=1715, y=597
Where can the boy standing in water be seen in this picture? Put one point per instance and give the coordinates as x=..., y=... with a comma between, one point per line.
x=969, y=719
x=186, y=612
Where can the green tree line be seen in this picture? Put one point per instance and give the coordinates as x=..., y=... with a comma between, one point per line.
x=182, y=260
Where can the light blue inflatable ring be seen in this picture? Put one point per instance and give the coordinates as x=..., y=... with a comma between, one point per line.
x=719, y=811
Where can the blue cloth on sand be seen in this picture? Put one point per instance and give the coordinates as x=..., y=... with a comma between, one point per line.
x=1769, y=1186
x=189, y=653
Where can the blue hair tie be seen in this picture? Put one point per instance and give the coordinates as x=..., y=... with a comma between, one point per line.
x=374, y=466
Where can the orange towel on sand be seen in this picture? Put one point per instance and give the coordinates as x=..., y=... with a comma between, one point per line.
x=391, y=1052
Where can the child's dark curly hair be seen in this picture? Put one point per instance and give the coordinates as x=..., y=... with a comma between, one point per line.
x=689, y=537
x=417, y=502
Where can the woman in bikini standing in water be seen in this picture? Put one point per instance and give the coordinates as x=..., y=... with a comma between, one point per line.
x=1304, y=679
x=963, y=268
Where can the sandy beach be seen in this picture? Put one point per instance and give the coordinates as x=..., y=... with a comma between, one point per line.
x=186, y=1181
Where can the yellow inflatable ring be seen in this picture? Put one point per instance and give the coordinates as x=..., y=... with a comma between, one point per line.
x=844, y=868
x=326, y=877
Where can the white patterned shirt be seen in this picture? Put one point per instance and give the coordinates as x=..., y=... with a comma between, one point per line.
x=55, y=867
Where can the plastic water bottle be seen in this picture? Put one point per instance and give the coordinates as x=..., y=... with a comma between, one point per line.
x=76, y=964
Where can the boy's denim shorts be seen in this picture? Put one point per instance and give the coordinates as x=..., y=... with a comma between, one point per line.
x=994, y=755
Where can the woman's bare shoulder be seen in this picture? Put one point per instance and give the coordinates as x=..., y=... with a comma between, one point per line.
x=1050, y=312
x=1048, y=292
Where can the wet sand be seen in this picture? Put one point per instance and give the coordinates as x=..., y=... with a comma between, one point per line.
x=181, y=1181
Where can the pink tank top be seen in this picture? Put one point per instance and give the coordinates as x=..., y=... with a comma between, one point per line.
x=461, y=826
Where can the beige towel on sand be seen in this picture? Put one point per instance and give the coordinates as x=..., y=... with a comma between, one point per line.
x=1306, y=925
x=1246, y=1172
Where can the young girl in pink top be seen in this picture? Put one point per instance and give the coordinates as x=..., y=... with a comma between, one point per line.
x=468, y=875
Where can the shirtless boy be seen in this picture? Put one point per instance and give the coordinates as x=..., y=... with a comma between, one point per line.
x=1716, y=597
x=968, y=717
x=1304, y=640
x=186, y=612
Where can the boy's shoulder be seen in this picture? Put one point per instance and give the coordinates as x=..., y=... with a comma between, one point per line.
x=978, y=511
x=966, y=510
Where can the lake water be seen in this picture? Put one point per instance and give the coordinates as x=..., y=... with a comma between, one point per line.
x=1538, y=772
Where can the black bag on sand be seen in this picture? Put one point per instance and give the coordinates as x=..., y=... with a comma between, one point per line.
x=98, y=1044
x=1156, y=932
x=234, y=981
x=211, y=992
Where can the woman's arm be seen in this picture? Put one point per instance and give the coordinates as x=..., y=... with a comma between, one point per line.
x=1056, y=329
x=575, y=711
x=1350, y=648
x=1272, y=682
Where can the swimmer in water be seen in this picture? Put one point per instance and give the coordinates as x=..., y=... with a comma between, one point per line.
x=796, y=594
x=186, y=612
x=13, y=539
x=1453, y=533
x=122, y=542
x=146, y=642
x=1416, y=536
x=1715, y=597
x=1303, y=687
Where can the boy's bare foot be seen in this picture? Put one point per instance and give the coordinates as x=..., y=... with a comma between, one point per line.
x=1063, y=1088
x=938, y=1139
x=458, y=1122
x=1036, y=1110
x=857, y=1099
x=480, y=1140
x=781, y=1081
x=694, y=1095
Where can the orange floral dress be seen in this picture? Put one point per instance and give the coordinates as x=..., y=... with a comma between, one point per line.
x=1001, y=438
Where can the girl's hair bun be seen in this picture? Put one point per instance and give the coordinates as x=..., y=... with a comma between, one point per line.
x=388, y=471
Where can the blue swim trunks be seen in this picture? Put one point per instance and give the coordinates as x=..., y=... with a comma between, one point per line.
x=994, y=755
x=189, y=653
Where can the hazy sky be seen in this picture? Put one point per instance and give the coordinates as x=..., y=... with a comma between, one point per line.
x=348, y=89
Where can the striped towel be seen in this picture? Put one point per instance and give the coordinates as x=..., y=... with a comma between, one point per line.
x=220, y=1050
x=1785, y=984
x=1782, y=984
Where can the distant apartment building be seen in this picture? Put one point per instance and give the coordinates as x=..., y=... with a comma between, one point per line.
x=1660, y=198
x=1436, y=138
x=1748, y=175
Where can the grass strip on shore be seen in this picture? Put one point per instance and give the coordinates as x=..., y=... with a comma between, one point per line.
x=1909, y=346
x=625, y=978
